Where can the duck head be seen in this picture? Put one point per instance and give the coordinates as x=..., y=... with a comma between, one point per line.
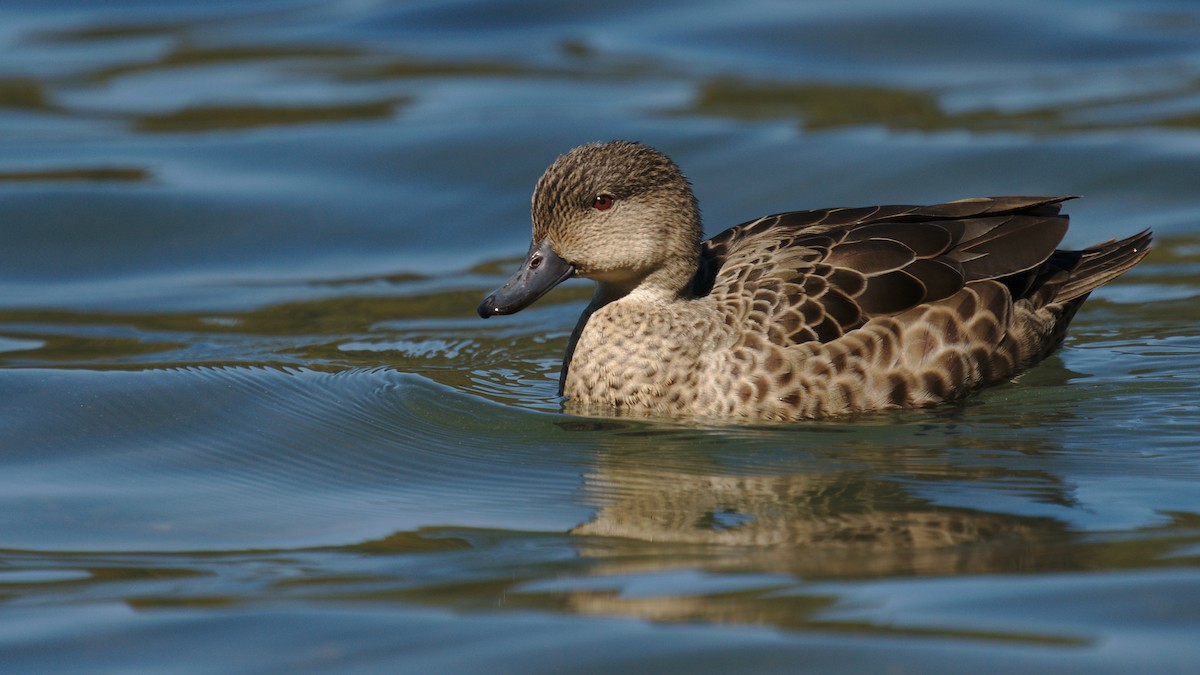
x=620, y=213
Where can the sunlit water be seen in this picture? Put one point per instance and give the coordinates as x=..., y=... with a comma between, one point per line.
x=251, y=423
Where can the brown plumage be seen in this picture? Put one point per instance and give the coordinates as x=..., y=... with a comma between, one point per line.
x=797, y=315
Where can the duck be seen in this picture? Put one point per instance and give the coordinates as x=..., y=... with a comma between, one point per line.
x=798, y=315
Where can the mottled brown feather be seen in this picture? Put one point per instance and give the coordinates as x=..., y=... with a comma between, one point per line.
x=884, y=259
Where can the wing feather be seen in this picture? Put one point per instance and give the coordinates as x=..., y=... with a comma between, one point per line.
x=825, y=273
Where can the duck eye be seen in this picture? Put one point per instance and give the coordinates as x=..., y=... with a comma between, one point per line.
x=603, y=202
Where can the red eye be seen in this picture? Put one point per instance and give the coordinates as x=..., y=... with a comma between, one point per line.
x=602, y=202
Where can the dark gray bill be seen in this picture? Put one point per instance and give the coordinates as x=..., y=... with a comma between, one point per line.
x=541, y=271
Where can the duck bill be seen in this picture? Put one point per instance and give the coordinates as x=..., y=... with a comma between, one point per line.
x=541, y=271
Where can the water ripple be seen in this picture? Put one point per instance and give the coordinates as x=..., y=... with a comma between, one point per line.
x=198, y=456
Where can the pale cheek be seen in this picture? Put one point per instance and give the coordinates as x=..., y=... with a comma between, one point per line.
x=613, y=244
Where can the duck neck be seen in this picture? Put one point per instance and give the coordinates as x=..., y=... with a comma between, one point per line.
x=669, y=282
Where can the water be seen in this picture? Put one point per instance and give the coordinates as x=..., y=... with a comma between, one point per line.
x=252, y=425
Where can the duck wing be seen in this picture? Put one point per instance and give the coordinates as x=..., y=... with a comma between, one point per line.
x=807, y=276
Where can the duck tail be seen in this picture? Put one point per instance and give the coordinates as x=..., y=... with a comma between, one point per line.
x=1097, y=265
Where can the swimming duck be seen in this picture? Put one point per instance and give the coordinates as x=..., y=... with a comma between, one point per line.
x=797, y=315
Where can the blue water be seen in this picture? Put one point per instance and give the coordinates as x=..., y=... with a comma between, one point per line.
x=251, y=423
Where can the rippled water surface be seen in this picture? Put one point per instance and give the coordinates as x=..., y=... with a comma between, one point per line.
x=251, y=423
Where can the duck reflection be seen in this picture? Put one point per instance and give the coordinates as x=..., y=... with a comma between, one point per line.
x=854, y=514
